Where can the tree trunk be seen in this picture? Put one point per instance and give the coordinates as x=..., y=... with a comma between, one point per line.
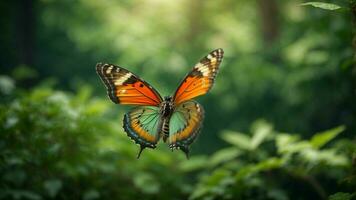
x=25, y=33
x=268, y=11
x=353, y=10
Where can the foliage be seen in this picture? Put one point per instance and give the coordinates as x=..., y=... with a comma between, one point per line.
x=271, y=167
x=58, y=145
x=54, y=144
x=280, y=120
x=322, y=5
x=310, y=55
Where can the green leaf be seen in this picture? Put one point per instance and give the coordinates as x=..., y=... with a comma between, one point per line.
x=23, y=194
x=277, y=194
x=199, y=192
x=322, y=5
x=289, y=143
x=270, y=163
x=213, y=185
x=261, y=130
x=341, y=196
x=147, y=183
x=23, y=72
x=91, y=194
x=7, y=85
x=194, y=163
x=53, y=186
x=329, y=157
x=320, y=139
x=224, y=155
x=238, y=139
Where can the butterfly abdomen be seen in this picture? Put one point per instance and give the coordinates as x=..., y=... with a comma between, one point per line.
x=165, y=129
x=166, y=113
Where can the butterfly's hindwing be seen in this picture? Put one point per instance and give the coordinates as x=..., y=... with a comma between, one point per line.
x=124, y=87
x=141, y=125
x=200, y=80
x=185, y=124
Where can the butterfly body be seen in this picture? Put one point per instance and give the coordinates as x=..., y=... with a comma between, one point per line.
x=167, y=107
x=176, y=119
x=166, y=111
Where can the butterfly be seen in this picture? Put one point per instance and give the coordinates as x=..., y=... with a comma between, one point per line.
x=176, y=119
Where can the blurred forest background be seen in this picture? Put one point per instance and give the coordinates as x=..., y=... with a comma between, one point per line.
x=280, y=120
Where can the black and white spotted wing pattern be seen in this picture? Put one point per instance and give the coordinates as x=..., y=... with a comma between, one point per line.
x=200, y=80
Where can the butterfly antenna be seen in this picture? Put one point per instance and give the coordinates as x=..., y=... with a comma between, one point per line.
x=139, y=153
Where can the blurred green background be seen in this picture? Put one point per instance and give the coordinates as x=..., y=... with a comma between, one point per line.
x=280, y=119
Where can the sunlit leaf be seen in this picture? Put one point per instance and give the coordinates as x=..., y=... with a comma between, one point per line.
x=297, y=147
x=261, y=130
x=238, y=139
x=7, y=85
x=320, y=139
x=322, y=5
x=199, y=192
x=194, y=163
x=224, y=155
x=11, y=121
x=270, y=163
x=330, y=157
x=287, y=143
x=97, y=106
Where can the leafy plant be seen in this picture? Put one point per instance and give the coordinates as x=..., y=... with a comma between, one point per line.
x=268, y=161
x=58, y=145
x=55, y=144
x=322, y=5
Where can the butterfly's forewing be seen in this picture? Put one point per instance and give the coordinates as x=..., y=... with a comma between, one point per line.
x=185, y=124
x=124, y=87
x=200, y=79
x=141, y=125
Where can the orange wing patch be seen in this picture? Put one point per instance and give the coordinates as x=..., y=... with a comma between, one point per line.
x=200, y=80
x=124, y=87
